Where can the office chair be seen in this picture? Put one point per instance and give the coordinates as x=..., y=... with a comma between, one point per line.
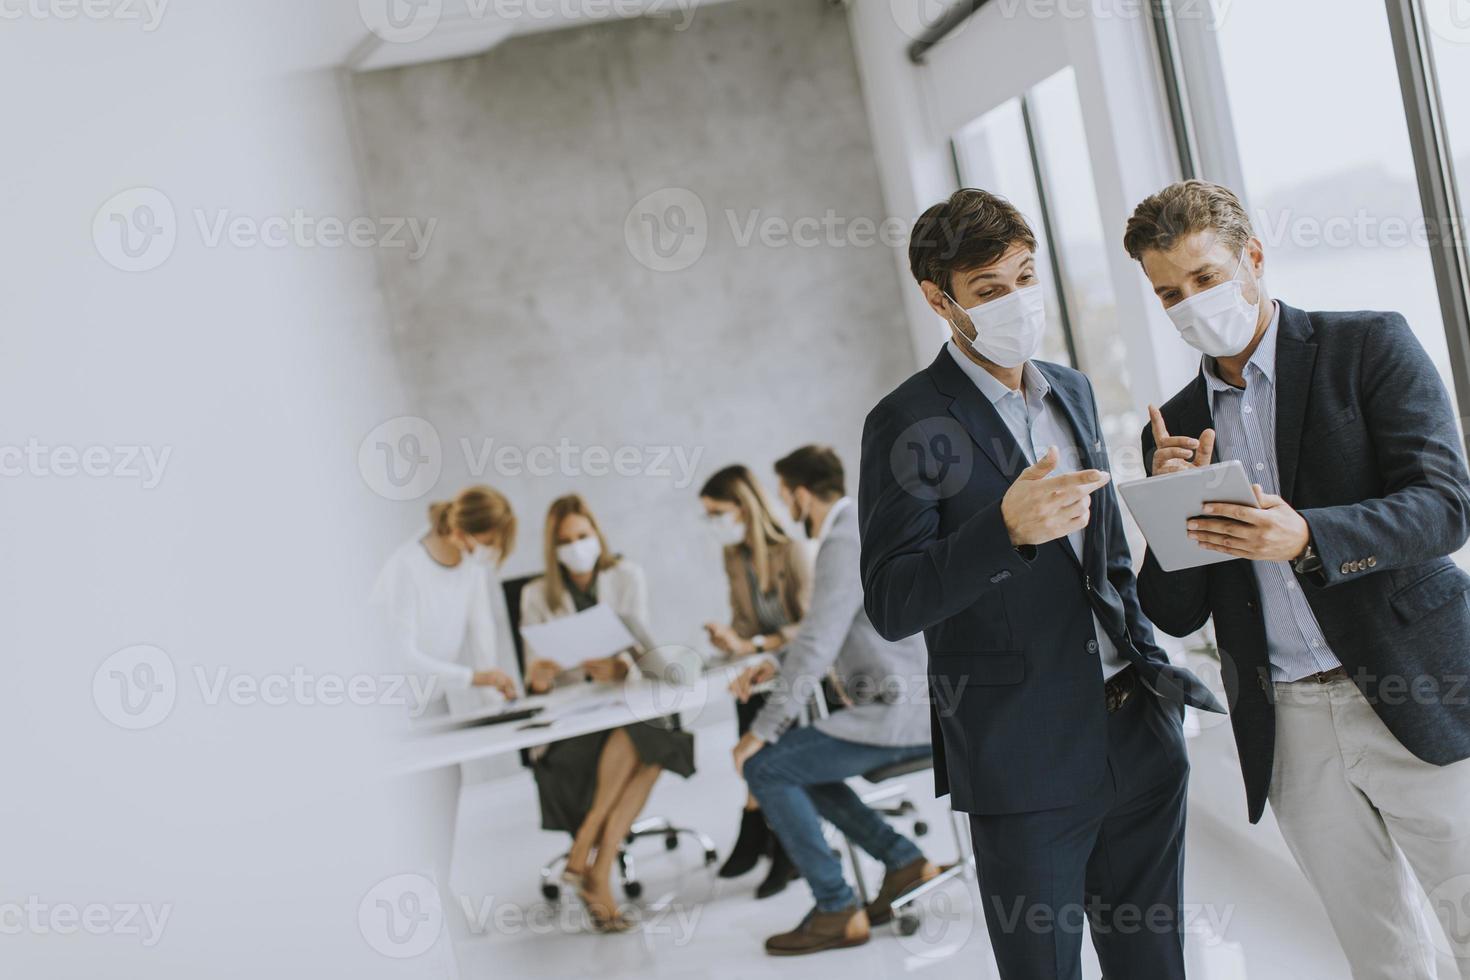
x=888, y=798
x=647, y=827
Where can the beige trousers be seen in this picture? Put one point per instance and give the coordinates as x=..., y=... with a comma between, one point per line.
x=1383, y=837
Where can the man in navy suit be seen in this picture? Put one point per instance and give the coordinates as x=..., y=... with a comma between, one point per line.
x=1343, y=625
x=988, y=523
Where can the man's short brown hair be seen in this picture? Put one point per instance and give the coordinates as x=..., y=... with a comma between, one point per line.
x=815, y=467
x=1182, y=209
x=970, y=230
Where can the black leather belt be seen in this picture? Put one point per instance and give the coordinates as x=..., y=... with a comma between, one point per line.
x=1326, y=676
x=1120, y=687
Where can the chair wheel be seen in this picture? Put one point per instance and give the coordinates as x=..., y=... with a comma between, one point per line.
x=671, y=842
x=633, y=888
x=907, y=924
x=710, y=857
x=920, y=828
x=550, y=891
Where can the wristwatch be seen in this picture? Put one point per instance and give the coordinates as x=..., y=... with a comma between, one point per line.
x=1308, y=561
x=759, y=642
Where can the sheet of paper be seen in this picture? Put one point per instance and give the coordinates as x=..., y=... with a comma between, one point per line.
x=595, y=632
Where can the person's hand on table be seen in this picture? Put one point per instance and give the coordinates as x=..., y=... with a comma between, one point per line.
x=497, y=679
x=1271, y=532
x=752, y=677
x=727, y=641
x=1173, y=454
x=749, y=744
x=541, y=674
x=606, y=670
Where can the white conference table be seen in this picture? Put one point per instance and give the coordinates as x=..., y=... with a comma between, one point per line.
x=577, y=709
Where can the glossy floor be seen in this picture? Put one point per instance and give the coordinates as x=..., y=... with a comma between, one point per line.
x=1250, y=917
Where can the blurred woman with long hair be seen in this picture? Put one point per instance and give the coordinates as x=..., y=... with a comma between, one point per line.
x=770, y=580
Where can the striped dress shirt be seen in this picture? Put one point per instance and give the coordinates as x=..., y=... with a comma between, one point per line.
x=1245, y=429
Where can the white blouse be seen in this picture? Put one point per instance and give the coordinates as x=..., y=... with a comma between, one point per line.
x=444, y=623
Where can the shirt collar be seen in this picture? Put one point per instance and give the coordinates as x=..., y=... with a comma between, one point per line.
x=1033, y=381
x=831, y=517
x=1263, y=359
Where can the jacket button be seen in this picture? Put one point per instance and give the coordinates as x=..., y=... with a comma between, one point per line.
x=1347, y=566
x=1372, y=561
x=1092, y=646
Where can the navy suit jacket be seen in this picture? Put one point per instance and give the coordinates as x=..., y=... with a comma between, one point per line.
x=1368, y=453
x=1018, y=719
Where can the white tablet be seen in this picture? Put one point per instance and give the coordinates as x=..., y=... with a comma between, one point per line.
x=1162, y=505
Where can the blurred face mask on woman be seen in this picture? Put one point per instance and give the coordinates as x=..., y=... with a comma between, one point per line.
x=1008, y=330
x=580, y=556
x=728, y=528
x=1220, y=321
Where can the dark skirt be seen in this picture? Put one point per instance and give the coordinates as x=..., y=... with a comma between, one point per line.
x=566, y=772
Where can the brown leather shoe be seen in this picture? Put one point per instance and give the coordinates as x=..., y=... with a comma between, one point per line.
x=822, y=931
x=895, y=883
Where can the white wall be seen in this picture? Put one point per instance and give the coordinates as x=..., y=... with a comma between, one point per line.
x=257, y=370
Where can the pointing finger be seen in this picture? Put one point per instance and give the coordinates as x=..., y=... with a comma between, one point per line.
x=1161, y=431
x=1042, y=466
x=1206, y=448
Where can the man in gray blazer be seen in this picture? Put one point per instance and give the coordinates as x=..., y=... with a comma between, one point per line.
x=797, y=773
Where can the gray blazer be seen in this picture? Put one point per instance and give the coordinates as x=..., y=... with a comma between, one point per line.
x=885, y=683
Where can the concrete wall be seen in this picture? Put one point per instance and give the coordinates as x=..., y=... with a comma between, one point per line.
x=542, y=314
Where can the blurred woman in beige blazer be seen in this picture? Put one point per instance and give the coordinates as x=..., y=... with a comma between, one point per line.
x=770, y=582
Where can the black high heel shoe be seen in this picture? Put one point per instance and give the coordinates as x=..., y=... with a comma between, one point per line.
x=782, y=872
x=754, y=840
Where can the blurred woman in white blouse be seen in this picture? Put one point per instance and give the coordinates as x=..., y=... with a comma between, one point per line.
x=594, y=786
x=441, y=595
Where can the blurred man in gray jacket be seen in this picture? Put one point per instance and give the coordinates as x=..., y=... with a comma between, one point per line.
x=797, y=773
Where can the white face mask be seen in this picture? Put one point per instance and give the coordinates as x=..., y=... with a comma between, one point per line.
x=580, y=556
x=1220, y=321
x=1008, y=330
x=727, y=528
x=482, y=555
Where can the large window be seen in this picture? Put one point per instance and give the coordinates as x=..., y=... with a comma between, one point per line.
x=1449, y=36
x=993, y=153
x=1318, y=125
x=1033, y=150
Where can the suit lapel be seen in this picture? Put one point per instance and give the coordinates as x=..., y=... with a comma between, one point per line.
x=1078, y=411
x=1296, y=357
x=980, y=419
